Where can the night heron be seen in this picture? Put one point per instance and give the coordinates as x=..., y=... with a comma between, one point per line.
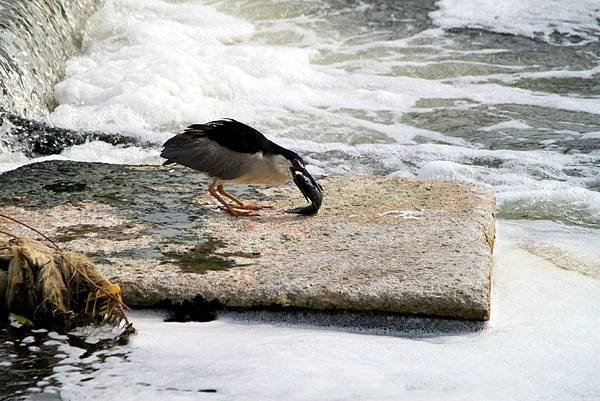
x=229, y=151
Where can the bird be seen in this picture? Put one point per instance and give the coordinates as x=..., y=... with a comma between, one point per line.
x=229, y=151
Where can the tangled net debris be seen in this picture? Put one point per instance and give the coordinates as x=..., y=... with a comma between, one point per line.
x=49, y=285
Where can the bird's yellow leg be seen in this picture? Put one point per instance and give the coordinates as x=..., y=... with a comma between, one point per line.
x=241, y=205
x=227, y=206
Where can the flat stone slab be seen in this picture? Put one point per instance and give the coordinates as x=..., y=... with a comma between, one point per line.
x=377, y=244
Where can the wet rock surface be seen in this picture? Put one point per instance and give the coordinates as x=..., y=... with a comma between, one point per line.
x=382, y=244
x=34, y=138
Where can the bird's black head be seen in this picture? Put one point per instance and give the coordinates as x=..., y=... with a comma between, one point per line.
x=296, y=160
x=292, y=156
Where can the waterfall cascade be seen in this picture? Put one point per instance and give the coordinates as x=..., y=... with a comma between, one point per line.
x=36, y=37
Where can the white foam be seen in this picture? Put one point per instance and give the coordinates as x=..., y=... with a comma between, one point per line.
x=591, y=135
x=510, y=124
x=156, y=66
x=12, y=160
x=534, y=19
x=107, y=153
x=532, y=75
x=95, y=151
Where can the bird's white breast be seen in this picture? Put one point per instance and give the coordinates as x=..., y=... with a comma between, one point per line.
x=260, y=169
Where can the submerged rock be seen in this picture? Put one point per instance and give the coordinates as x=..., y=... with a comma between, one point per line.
x=35, y=138
x=378, y=243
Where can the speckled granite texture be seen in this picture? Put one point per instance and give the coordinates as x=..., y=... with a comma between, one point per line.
x=378, y=243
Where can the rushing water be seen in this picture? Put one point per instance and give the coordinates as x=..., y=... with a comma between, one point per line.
x=502, y=93
x=36, y=37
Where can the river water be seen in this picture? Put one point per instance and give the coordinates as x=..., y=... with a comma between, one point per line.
x=502, y=93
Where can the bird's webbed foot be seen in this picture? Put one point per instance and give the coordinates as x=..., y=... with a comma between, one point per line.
x=233, y=209
x=238, y=203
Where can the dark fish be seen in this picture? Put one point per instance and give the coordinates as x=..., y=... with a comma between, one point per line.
x=312, y=191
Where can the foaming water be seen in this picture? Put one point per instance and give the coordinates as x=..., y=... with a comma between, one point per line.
x=97, y=151
x=554, y=21
x=569, y=247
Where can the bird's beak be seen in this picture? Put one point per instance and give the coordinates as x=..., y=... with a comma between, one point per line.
x=297, y=164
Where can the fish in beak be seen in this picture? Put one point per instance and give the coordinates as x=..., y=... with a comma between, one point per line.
x=312, y=191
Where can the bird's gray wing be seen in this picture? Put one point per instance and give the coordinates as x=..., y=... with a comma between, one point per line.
x=206, y=155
